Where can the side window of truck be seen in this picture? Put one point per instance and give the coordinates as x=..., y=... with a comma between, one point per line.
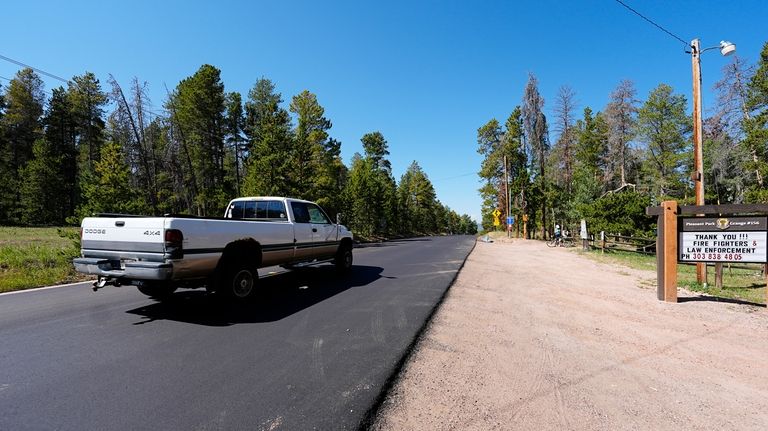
x=250, y=209
x=276, y=210
x=261, y=209
x=300, y=212
x=316, y=215
x=236, y=210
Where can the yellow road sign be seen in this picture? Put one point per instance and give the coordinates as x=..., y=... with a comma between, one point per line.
x=496, y=213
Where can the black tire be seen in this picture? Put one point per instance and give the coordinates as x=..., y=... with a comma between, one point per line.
x=157, y=291
x=552, y=242
x=343, y=259
x=239, y=281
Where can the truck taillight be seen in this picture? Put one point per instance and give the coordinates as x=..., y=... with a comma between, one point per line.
x=174, y=240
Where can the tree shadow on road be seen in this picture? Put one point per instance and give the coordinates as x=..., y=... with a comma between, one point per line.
x=281, y=295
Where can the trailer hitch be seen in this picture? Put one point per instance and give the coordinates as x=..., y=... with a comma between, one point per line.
x=103, y=281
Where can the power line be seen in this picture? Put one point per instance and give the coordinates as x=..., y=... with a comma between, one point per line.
x=40, y=71
x=687, y=44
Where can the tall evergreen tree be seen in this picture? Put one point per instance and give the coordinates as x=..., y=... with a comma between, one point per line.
x=22, y=126
x=268, y=129
x=48, y=193
x=537, y=131
x=88, y=110
x=664, y=127
x=198, y=112
x=234, y=124
x=309, y=145
x=591, y=156
x=418, y=207
x=361, y=192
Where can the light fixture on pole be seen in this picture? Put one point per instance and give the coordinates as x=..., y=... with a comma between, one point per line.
x=726, y=48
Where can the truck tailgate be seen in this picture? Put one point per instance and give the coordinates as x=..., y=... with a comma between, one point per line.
x=124, y=237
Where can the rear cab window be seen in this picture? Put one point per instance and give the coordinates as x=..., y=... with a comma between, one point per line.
x=258, y=210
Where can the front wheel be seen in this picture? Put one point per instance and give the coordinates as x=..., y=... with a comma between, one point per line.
x=343, y=259
x=239, y=281
x=552, y=242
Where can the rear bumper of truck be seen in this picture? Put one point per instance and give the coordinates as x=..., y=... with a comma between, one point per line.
x=139, y=270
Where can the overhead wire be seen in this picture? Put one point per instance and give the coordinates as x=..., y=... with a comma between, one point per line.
x=687, y=44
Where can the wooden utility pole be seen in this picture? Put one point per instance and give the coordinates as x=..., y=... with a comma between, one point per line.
x=509, y=195
x=698, y=154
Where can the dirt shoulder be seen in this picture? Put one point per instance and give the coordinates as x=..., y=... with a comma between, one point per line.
x=531, y=337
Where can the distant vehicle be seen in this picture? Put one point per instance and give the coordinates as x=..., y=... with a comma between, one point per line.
x=160, y=254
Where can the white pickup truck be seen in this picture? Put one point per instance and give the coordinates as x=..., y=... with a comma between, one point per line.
x=160, y=254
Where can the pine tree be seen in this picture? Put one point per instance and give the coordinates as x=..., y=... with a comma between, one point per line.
x=41, y=191
x=417, y=202
x=22, y=126
x=591, y=156
x=233, y=126
x=308, y=153
x=537, y=131
x=198, y=113
x=664, y=128
x=49, y=190
x=268, y=129
x=109, y=190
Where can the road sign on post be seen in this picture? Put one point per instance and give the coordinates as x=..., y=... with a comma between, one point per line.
x=496, y=220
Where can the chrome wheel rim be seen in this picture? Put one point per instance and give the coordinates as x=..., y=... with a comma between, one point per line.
x=242, y=283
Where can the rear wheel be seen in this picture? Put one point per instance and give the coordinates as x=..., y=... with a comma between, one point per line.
x=552, y=242
x=239, y=281
x=157, y=291
x=343, y=259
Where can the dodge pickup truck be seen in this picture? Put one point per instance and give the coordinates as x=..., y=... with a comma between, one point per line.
x=160, y=254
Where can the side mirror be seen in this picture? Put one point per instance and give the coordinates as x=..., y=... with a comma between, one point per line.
x=338, y=218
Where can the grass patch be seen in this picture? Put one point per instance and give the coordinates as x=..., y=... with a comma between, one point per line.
x=34, y=257
x=742, y=284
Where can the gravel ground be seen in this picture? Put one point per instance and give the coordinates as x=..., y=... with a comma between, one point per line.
x=531, y=337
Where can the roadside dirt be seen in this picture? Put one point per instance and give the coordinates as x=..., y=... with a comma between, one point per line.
x=531, y=337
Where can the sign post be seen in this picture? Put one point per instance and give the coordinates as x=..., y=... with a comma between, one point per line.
x=730, y=238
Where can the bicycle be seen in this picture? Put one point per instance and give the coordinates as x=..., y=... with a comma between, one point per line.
x=561, y=241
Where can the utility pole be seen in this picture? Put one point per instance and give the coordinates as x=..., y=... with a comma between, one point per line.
x=508, y=195
x=698, y=158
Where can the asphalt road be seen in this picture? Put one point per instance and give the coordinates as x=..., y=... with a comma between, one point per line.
x=313, y=353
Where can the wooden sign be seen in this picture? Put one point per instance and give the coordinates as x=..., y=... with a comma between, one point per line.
x=723, y=239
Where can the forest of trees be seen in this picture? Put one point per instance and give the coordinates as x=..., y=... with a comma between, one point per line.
x=87, y=149
x=607, y=166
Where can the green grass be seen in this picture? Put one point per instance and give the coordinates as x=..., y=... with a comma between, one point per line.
x=741, y=284
x=34, y=257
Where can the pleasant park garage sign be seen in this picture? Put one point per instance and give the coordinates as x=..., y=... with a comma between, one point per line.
x=723, y=239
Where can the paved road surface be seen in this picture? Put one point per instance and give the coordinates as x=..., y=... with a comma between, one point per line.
x=313, y=354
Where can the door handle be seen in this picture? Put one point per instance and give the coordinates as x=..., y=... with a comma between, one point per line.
x=314, y=229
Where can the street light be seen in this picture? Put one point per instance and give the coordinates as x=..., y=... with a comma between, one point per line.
x=726, y=48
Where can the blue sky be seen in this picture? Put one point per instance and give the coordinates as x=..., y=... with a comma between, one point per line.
x=426, y=74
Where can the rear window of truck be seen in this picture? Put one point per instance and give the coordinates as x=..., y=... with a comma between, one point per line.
x=258, y=210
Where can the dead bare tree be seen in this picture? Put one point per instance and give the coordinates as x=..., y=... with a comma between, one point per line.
x=620, y=113
x=565, y=107
x=732, y=103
